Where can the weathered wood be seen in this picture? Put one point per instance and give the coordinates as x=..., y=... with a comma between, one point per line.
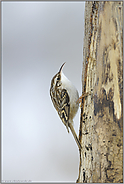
x=101, y=124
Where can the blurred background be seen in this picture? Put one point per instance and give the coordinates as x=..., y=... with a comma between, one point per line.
x=37, y=38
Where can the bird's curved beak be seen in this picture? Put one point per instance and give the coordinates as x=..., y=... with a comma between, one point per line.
x=60, y=70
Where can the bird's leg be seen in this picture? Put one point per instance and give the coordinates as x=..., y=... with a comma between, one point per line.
x=82, y=96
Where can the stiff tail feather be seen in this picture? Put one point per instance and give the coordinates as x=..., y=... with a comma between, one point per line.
x=75, y=135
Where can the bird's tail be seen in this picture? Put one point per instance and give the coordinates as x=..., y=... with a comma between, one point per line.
x=75, y=135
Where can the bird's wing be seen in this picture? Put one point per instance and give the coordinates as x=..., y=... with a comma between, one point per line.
x=64, y=108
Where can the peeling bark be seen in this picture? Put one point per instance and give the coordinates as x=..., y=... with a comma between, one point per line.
x=101, y=123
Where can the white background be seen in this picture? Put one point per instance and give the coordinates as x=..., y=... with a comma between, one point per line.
x=37, y=38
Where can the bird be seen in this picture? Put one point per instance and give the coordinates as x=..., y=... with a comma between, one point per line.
x=65, y=98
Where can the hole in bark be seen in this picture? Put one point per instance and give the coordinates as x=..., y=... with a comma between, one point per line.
x=87, y=148
x=83, y=175
x=119, y=144
x=90, y=146
x=114, y=46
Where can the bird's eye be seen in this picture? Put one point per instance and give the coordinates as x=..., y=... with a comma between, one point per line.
x=58, y=78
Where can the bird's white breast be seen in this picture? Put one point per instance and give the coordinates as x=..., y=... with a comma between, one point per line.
x=73, y=94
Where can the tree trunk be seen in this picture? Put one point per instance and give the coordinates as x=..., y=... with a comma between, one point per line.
x=101, y=123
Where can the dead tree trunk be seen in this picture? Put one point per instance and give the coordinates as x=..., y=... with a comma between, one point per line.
x=101, y=124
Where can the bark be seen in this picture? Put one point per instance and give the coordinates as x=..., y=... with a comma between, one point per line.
x=101, y=123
